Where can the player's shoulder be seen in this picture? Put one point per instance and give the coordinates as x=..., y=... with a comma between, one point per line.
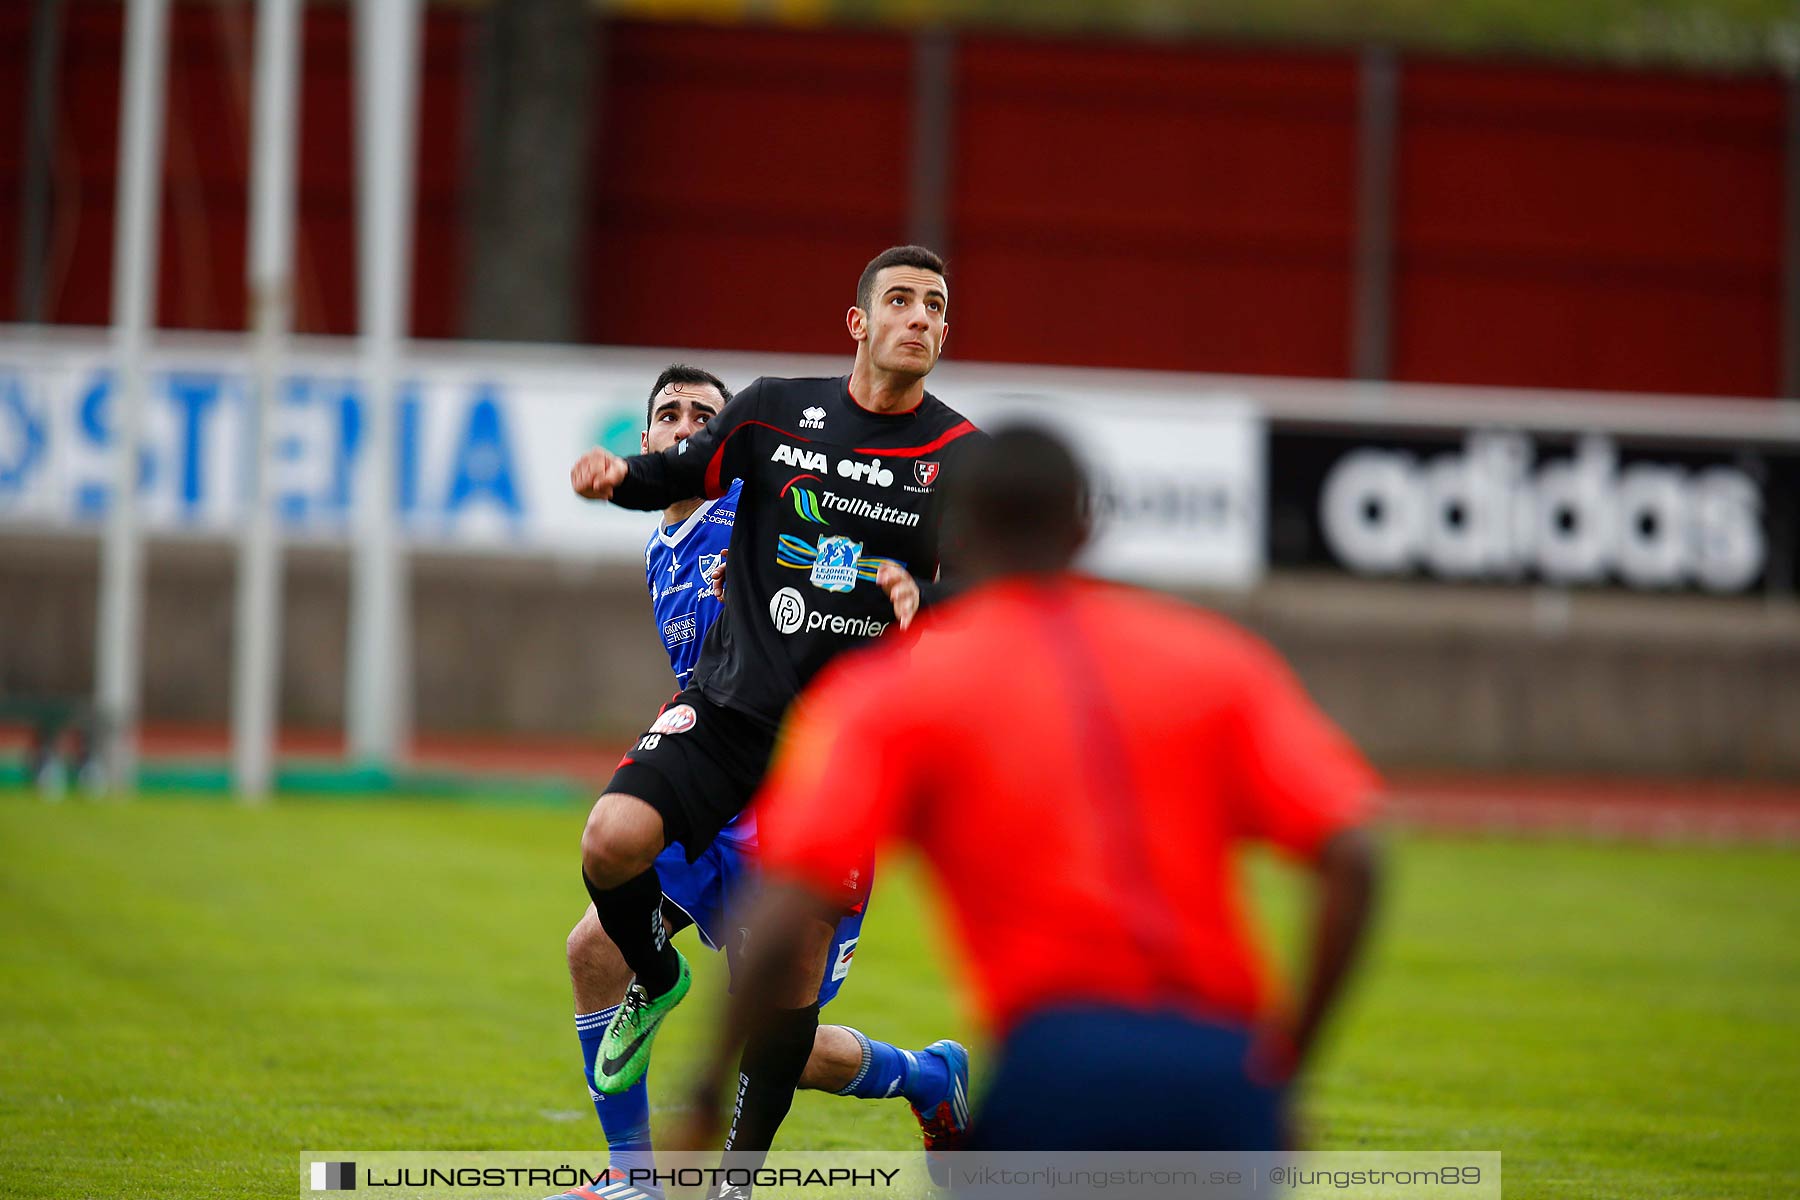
x=796, y=405
x=1189, y=637
x=935, y=413
x=779, y=389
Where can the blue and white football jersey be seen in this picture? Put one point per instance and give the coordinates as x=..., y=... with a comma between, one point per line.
x=676, y=564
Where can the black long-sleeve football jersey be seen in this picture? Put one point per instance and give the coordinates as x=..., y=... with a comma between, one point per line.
x=831, y=490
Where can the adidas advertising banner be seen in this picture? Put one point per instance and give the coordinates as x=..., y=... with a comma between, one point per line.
x=485, y=438
x=1511, y=505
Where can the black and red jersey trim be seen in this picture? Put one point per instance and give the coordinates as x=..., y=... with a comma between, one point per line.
x=937, y=443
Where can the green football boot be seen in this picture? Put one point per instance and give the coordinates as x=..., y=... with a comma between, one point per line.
x=625, y=1047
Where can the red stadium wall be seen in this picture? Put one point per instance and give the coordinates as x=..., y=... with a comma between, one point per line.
x=740, y=177
x=206, y=164
x=1597, y=229
x=1109, y=204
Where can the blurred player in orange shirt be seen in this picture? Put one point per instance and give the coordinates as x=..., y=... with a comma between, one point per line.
x=1079, y=762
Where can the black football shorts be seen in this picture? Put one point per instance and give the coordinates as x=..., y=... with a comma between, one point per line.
x=698, y=765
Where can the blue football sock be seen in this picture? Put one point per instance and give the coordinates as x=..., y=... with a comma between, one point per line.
x=626, y=1116
x=924, y=1079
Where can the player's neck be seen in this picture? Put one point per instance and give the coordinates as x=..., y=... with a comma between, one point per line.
x=680, y=511
x=883, y=391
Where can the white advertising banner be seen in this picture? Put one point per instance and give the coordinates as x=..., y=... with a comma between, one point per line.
x=485, y=444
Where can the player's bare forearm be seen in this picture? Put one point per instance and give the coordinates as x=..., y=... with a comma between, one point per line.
x=778, y=924
x=1348, y=872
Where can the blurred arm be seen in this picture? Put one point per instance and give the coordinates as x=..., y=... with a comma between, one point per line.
x=1347, y=871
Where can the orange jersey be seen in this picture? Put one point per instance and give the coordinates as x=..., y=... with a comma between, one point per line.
x=1078, y=762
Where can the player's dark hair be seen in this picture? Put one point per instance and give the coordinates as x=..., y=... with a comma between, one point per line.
x=682, y=373
x=1019, y=502
x=895, y=256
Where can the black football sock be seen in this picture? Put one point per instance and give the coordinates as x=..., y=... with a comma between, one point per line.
x=767, y=1076
x=631, y=914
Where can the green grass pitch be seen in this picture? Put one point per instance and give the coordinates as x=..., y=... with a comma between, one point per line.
x=192, y=993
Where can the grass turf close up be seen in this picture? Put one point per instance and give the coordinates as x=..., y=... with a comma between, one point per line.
x=191, y=994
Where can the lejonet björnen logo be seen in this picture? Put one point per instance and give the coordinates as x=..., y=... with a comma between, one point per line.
x=334, y=1177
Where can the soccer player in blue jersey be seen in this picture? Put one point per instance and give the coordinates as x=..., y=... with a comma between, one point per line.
x=681, y=566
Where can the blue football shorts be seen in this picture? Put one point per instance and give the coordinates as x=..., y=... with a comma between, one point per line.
x=711, y=890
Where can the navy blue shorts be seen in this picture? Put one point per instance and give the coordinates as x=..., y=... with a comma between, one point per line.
x=1104, y=1078
x=711, y=889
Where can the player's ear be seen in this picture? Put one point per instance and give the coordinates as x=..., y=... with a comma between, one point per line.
x=644, y=442
x=857, y=321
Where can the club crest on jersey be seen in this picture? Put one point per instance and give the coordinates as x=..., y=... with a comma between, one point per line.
x=834, y=569
x=679, y=719
x=707, y=563
x=925, y=472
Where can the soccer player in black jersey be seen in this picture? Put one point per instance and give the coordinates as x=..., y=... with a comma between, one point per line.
x=836, y=538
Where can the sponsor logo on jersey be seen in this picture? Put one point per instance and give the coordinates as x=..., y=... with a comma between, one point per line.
x=787, y=610
x=835, y=563
x=867, y=627
x=861, y=472
x=788, y=613
x=806, y=502
x=677, y=630
x=925, y=472
x=856, y=506
x=804, y=459
x=834, y=570
x=813, y=418
x=679, y=719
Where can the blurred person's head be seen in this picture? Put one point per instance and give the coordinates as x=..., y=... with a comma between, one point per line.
x=682, y=400
x=898, y=319
x=1018, y=504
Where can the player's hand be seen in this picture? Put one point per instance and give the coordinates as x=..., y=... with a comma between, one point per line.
x=715, y=578
x=698, y=1127
x=597, y=473
x=902, y=591
x=1274, y=1055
